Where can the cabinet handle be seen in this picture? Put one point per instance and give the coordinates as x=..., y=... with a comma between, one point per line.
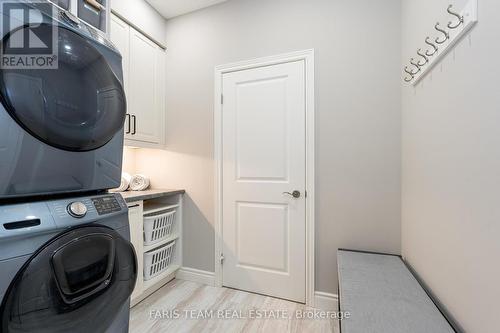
x=133, y=206
x=127, y=120
x=134, y=119
x=95, y=4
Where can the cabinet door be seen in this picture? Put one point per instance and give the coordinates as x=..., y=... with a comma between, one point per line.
x=147, y=118
x=137, y=239
x=120, y=36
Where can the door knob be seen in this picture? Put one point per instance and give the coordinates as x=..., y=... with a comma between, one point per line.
x=295, y=194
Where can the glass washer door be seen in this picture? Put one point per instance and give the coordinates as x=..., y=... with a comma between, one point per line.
x=78, y=282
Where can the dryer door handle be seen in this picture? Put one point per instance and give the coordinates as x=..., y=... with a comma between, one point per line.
x=94, y=3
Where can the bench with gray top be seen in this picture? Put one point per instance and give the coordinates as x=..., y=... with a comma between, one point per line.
x=383, y=296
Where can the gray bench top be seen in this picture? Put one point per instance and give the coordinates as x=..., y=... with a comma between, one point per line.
x=383, y=296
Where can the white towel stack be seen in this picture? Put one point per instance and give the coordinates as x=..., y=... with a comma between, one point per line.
x=124, y=184
x=139, y=183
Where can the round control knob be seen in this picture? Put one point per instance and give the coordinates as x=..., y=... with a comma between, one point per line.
x=77, y=209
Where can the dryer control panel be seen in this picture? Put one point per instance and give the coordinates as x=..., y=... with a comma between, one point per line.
x=106, y=205
x=43, y=217
x=81, y=210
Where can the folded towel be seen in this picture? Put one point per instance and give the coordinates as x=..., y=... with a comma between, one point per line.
x=124, y=184
x=139, y=183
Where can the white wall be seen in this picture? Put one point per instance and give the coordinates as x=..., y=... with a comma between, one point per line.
x=451, y=166
x=358, y=52
x=142, y=15
x=129, y=159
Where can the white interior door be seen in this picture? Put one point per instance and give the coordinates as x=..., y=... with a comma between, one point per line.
x=264, y=156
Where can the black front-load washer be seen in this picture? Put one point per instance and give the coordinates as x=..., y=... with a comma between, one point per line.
x=66, y=266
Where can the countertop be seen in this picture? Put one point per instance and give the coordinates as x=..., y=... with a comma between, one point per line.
x=132, y=196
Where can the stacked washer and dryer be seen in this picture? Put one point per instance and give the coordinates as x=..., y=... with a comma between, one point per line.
x=66, y=262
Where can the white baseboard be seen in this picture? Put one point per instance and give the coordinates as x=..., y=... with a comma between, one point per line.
x=326, y=301
x=322, y=300
x=196, y=275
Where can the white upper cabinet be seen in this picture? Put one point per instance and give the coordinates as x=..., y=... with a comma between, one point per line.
x=144, y=76
x=144, y=88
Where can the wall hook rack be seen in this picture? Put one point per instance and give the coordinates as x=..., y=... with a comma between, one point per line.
x=444, y=42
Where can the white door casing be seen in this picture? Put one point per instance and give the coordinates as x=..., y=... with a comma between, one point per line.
x=264, y=156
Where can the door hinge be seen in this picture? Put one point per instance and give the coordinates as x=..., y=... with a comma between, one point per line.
x=221, y=99
x=221, y=259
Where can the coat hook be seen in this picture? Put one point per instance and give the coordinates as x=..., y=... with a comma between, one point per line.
x=434, y=47
x=458, y=16
x=446, y=34
x=412, y=75
x=407, y=70
x=412, y=61
x=409, y=79
x=425, y=59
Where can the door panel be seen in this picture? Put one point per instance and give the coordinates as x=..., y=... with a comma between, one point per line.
x=267, y=225
x=263, y=157
x=267, y=115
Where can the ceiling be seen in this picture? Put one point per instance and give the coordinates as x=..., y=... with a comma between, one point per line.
x=172, y=8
